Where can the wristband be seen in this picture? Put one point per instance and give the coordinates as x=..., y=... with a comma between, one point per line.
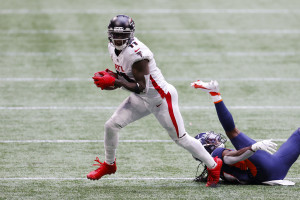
x=137, y=88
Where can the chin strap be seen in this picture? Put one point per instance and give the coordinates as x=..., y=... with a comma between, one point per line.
x=203, y=176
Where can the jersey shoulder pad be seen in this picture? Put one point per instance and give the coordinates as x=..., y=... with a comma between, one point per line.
x=139, y=51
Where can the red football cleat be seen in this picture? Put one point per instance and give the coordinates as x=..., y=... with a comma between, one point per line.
x=104, y=169
x=214, y=174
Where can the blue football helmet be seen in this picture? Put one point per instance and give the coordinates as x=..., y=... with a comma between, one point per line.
x=121, y=31
x=211, y=140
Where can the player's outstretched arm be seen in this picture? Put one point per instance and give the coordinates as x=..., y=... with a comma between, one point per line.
x=232, y=157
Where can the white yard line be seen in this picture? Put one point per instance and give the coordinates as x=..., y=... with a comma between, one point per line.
x=101, y=141
x=46, y=79
x=223, y=31
x=117, y=178
x=83, y=141
x=58, y=54
x=261, y=79
x=204, y=31
x=241, y=107
x=113, y=108
x=193, y=54
x=46, y=32
x=73, y=179
x=170, y=54
x=60, y=108
x=147, y=11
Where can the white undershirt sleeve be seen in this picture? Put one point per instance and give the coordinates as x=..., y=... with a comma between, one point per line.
x=229, y=160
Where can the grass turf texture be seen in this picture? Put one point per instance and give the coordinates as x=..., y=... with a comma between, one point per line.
x=254, y=69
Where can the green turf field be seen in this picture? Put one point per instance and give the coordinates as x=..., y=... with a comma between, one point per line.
x=52, y=115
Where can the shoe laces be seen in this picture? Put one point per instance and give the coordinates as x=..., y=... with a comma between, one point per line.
x=99, y=163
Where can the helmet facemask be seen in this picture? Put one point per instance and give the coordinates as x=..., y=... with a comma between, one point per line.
x=119, y=38
x=121, y=31
x=210, y=141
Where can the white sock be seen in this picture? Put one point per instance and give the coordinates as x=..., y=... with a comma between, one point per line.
x=216, y=97
x=111, y=140
x=195, y=147
x=110, y=156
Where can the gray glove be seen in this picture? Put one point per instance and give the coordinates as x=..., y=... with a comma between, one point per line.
x=265, y=145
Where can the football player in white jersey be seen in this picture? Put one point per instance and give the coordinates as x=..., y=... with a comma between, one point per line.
x=137, y=72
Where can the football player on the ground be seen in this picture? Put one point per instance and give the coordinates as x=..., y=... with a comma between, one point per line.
x=251, y=162
x=137, y=72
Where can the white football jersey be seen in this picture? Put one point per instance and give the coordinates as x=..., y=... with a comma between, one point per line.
x=156, y=84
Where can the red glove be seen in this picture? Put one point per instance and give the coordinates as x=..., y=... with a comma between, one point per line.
x=111, y=73
x=107, y=71
x=103, y=80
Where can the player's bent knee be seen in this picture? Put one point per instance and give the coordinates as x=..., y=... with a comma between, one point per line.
x=111, y=126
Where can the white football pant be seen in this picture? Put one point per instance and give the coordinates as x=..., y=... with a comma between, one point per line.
x=168, y=115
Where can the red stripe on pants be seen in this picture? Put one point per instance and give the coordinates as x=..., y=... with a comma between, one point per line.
x=170, y=108
x=157, y=88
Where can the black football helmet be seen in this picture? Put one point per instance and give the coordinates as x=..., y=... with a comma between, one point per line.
x=121, y=31
x=211, y=140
